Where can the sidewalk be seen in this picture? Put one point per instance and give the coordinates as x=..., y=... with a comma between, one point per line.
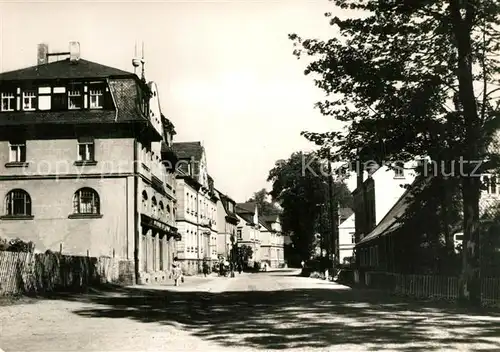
x=210, y=283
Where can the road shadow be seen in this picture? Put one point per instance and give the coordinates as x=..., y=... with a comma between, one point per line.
x=299, y=318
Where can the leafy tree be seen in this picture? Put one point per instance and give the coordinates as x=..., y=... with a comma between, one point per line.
x=263, y=205
x=300, y=186
x=403, y=76
x=245, y=252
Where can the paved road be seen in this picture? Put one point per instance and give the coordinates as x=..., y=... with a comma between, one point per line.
x=252, y=312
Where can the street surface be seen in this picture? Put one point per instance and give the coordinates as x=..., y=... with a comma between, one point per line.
x=252, y=312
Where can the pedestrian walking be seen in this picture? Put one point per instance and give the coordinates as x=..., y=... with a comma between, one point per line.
x=221, y=268
x=205, y=268
x=177, y=272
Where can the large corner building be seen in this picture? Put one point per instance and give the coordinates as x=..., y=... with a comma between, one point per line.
x=85, y=164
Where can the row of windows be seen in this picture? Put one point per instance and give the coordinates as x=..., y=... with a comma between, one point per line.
x=85, y=150
x=191, y=241
x=18, y=202
x=157, y=208
x=205, y=210
x=214, y=246
x=73, y=96
x=490, y=184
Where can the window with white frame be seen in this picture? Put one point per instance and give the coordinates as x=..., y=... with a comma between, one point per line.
x=17, y=202
x=191, y=247
x=96, y=97
x=353, y=237
x=17, y=152
x=29, y=100
x=8, y=101
x=490, y=184
x=86, y=201
x=239, y=234
x=75, y=97
x=86, y=149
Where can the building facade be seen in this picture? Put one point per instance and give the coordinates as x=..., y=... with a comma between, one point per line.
x=380, y=190
x=158, y=203
x=197, y=210
x=248, y=229
x=74, y=136
x=347, y=238
x=226, y=225
x=272, y=241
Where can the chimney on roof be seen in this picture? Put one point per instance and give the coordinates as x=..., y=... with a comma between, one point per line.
x=42, y=57
x=74, y=52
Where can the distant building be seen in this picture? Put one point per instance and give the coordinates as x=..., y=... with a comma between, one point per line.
x=272, y=241
x=226, y=225
x=347, y=231
x=376, y=195
x=197, y=208
x=81, y=152
x=248, y=230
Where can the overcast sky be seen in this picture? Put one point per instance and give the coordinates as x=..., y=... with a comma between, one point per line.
x=225, y=69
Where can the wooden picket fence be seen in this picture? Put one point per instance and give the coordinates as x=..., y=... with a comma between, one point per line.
x=490, y=291
x=22, y=272
x=431, y=286
x=427, y=286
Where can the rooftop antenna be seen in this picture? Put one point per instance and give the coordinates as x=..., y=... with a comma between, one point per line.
x=135, y=61
x=143, y=77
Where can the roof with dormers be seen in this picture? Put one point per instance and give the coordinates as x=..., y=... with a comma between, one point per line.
x=64, y=69
x=126, y=88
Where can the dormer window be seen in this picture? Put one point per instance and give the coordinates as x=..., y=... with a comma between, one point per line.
x=96, y=93
x=8, y=101
x=75, y=97
x=29, y=100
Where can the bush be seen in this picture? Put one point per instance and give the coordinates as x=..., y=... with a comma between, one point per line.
x=16, y=245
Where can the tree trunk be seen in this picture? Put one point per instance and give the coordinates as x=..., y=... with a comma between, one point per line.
x=470, y=282
x=461, y=27
x=445, y=204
